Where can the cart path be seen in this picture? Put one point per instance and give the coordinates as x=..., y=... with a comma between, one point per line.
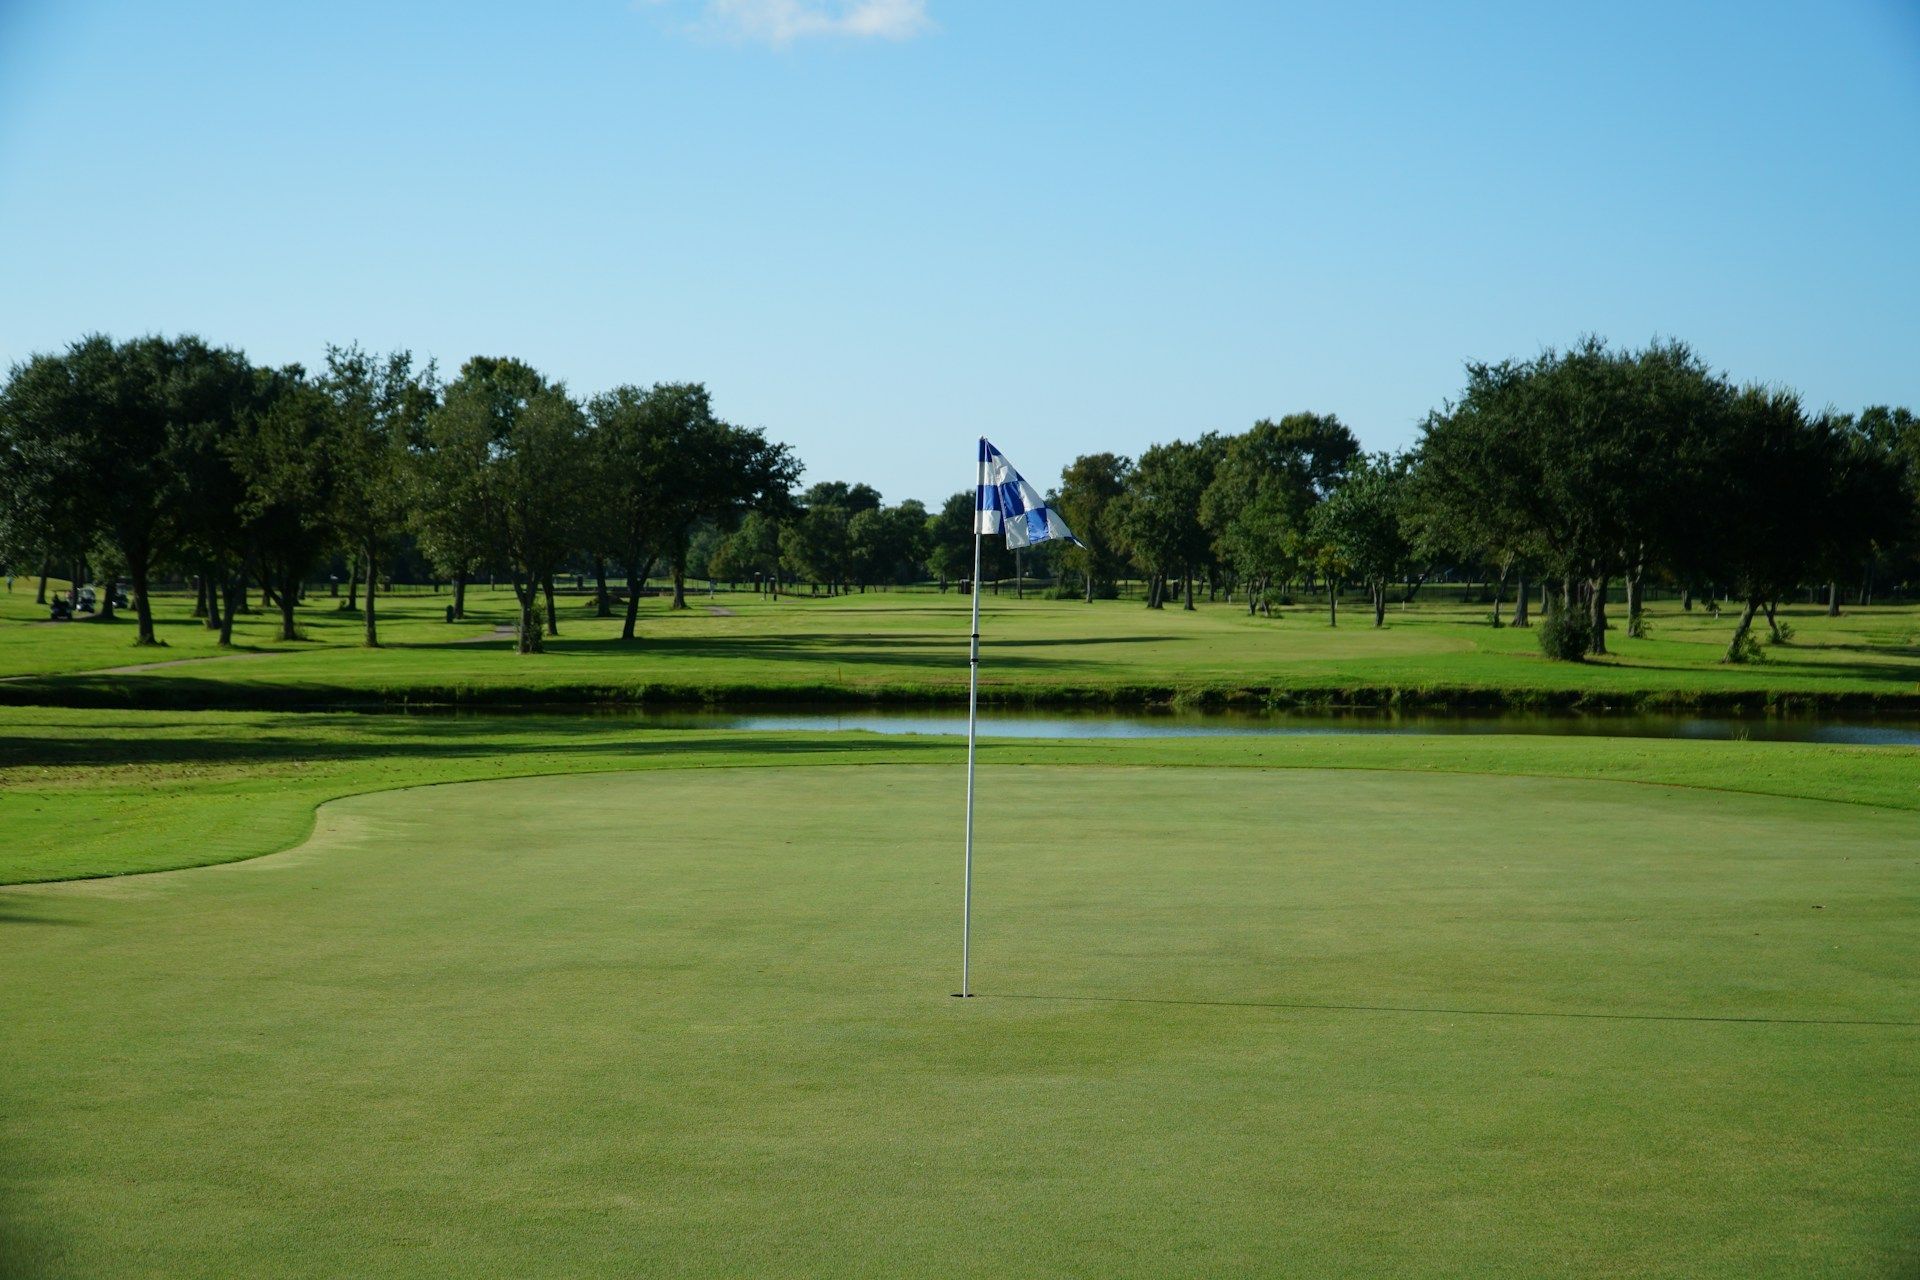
x=505, y=631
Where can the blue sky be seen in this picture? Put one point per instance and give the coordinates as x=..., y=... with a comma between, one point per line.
x=878, y=228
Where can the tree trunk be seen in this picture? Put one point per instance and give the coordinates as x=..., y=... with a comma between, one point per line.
x=603, y=606
x=372, y=640
x=142, y=604
x=1333, y=603
x=1597, y=613
x=219, y=608
x=553, y=621
x=353, y=583
x=1634, y=599
x=1833, y=599
x=1380, y=604
x=234, y=588
x=1741, y=629
x=636, y=576
x=1686, y=599
x=527, y=634
x=1773, y=623
x=679, y=583
x=200, y=592
x=1089, y=577
x=1188, y=574
x=288, y=594
x=46, y=567
x=459, y=596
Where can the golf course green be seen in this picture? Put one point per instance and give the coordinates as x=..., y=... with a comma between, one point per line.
x=1364, y=1020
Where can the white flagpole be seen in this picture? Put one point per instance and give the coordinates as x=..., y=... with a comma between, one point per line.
x=973, y=711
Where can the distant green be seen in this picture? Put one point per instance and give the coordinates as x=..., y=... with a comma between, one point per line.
x=1234, y=1021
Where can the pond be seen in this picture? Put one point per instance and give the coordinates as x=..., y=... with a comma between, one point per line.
x=998, y=723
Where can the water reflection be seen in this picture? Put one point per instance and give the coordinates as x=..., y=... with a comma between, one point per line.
x=1057, y=724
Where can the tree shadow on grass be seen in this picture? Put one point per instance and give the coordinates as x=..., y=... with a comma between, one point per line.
x=423, y=740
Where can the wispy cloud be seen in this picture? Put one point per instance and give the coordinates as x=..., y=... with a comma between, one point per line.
x=781, y=22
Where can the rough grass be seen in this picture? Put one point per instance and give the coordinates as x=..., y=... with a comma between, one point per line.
x=908, y=647
x=1234, y=1021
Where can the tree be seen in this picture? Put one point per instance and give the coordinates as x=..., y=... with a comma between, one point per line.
x=1159, y=516
x=507, y=450
x=950, y=543
x=671, y=466
x=379, y=410
x=1258, y=506
x=1363, y=524
x=286, y=459
x=887, y=543
x=97, y=425
x=1799, y=493
x=751, y=550
x=1091, y=488
x=1479, y=476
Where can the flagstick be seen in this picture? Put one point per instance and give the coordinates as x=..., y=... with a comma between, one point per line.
x=973, y=711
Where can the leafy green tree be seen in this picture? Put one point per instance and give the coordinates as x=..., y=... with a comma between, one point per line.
x=1364, y=524
x=1479, y=476
x=96, y=427
x=1258, y=506
x=1091, y=488
x=684, y=467
x=949, y=544
x=887, y=543
x=506, y=449
x=379, y=411
x=1159, y=516
x=752, y=551
x=1798, y=493
x=286, y=459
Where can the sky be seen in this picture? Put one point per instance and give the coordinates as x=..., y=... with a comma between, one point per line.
x=880, y=228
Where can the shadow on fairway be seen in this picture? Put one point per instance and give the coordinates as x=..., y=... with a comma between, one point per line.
x=1454, y=1012
x=420, y=738
x=10, y=914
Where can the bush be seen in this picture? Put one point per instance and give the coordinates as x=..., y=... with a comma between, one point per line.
x=1638, y=627
x=1566, y=635
x=1746, y=649
x=1783, y=634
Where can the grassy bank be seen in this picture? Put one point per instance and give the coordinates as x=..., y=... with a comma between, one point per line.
x=909, y=648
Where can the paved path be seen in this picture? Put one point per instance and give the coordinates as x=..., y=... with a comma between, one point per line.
x=172, y=662
x=502, y=632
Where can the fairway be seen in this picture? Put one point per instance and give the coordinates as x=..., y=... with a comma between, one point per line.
x=1233, y=1020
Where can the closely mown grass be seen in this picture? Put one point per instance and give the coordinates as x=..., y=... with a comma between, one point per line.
x=909, y=647
x=1352, y=1021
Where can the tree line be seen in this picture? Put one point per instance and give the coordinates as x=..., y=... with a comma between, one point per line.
x=1566, y=473
x=1575, y=470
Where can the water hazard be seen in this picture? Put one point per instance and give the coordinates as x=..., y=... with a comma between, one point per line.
x=997, y=723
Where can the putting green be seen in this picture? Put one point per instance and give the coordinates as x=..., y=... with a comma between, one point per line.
x=1232, y=1021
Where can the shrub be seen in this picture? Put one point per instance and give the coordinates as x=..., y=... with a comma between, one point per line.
x=1745, y=649
x=1638, y=627
x=1566, y=635
x=1782, y=634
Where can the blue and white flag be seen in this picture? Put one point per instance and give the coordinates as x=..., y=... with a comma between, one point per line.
x=1008, y=504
